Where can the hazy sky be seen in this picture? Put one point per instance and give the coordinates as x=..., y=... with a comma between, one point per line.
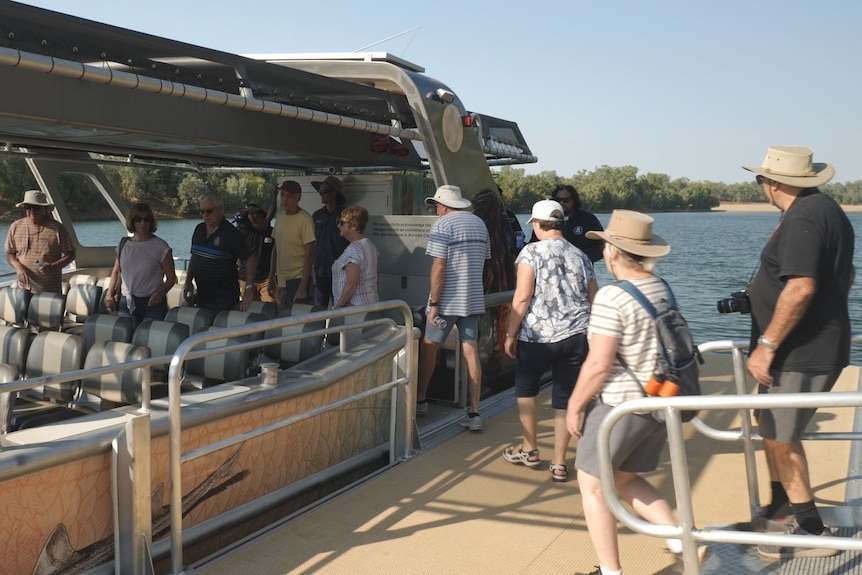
x=688, y=88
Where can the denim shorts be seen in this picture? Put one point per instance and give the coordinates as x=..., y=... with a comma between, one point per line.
x=468, y=328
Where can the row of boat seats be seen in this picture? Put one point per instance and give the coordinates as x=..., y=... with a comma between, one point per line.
x=49, y=311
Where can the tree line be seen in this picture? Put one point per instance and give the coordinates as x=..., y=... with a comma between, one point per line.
x=174, y=192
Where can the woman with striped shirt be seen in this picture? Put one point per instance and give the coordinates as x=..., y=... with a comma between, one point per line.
x=620, y=329
x=354, y=273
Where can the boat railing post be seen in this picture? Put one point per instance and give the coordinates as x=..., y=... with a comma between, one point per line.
x=745, y=424
x=133, y=537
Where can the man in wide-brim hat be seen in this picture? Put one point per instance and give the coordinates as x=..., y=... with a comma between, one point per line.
x=800, y=327
x=38, y=246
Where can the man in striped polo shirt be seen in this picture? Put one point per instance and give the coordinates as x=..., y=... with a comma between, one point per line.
x=459, y=245
x=216, y=247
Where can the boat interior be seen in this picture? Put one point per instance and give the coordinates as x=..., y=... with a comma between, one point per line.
x=286, y=441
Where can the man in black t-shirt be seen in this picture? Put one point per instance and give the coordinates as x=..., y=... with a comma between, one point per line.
x=578, y=222
x=255, y=227
x=216, y=246
x=800, y=328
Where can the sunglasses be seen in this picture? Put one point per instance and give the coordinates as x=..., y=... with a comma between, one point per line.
x=207, y=211
x=341, y=223
x=34, y=208
x=564, y=200
x=761, y=179
x=323, y=191
x=139, y=219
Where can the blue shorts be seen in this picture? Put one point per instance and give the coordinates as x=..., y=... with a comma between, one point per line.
x=786, y=425
x=468, y=328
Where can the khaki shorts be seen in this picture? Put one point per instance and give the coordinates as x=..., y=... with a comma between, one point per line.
x=787, y=425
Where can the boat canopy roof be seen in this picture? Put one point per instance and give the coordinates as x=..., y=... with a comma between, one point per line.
x=131, y=94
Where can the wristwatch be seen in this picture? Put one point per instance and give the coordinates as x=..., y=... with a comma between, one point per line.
x=766, y=343
x=248, y=287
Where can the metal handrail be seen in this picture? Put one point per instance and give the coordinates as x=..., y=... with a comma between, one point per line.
x=186, y=350
x=744, y=402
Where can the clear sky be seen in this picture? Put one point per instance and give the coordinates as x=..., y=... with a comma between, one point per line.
x=688, y=88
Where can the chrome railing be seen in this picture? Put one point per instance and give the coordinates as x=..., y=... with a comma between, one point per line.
x=744, y=402
x=187, y=350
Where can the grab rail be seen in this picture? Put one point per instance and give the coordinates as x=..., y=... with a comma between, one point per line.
x=185, y=350
x=744, y=402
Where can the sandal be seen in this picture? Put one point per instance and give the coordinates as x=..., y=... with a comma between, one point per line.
x=559, y=472
x=517, y=455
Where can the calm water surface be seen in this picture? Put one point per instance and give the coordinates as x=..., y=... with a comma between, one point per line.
x=713, y=255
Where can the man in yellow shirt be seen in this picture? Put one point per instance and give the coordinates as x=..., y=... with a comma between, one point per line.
x=293, y=253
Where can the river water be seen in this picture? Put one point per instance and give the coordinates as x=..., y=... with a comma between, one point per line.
x=713, y=254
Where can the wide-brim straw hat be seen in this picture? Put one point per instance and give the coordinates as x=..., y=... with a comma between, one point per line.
x=35, y=198
x=331, y=182
x=632, y=233
x=794, y=166
x=449, y=196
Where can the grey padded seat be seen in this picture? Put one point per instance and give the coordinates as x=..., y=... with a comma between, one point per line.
x=235, y=318
x=54, y=353
x=196, y=318
x=268, y=309
x=82, y=301
x=46, y=311
x=83, y=279
x=353, y=335
x=7, y=401
x=290, y=353
x=13, y=305
x=106, y=327
x=161, y=338
x=219, y=368
x=119, y=387
x=14, y=343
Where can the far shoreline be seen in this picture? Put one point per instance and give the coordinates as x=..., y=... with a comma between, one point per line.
x=764, y=207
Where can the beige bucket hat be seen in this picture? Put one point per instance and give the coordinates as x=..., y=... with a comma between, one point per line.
x=35, y=198
x=449, y=196
x=794, y=166
x=632, y=233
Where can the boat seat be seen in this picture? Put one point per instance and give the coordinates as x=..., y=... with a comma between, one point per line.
x=119, y=387
x=106, y=327
x=14, y=343
x=196, y=318
x=46, y=311
x=267, y=309
x=83, y=279
x=292, y=309
x=7, y=401
x=82, y=301
x=13, y=305
x=161, y=338
x=104, y=283
x=353, y=335
x=290, y=353
x=235, y=318
x=220, y=368
x=50, y=353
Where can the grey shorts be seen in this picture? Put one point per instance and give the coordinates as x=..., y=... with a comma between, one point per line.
x=468, y=328
x=787, y=425
x=637, y=442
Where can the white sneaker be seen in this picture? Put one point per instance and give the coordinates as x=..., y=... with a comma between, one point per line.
x=422, y=408
x=472, y=423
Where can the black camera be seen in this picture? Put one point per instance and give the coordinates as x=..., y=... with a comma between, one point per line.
x=737, y=302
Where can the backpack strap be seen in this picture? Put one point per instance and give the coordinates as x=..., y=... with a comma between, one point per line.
x=639, y=297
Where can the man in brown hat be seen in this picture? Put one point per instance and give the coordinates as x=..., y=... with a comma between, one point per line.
x=38, y=246
x=328, y=243
x=293, y=252
x=800, y=327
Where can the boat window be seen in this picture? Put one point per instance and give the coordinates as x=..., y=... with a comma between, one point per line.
x=92, y=217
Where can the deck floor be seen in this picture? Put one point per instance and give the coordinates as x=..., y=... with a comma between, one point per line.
x=460, y=508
